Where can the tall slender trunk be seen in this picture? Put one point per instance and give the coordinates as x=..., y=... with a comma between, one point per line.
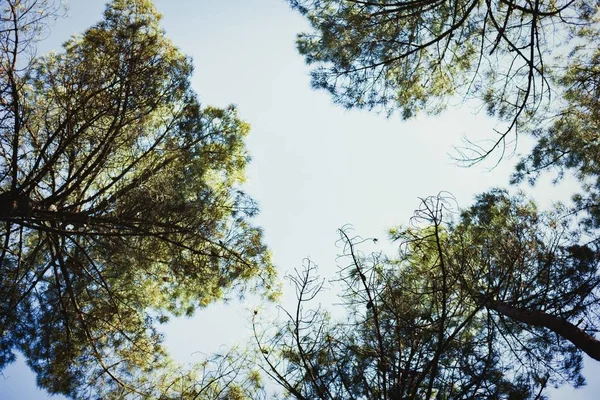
x=584, y=342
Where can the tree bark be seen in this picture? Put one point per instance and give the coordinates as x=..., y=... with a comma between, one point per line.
x=584, y=342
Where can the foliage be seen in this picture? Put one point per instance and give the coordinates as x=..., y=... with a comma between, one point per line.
x=231, y=376
x=119, y=199
x=416, y=55
x=456, y=316
x=569, y=143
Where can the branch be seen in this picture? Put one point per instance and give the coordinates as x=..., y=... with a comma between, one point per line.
x=582, y=340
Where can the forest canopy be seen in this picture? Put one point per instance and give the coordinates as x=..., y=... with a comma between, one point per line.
x=497, y=301
x=413, y=56
x=122, y=205
x=120, y=200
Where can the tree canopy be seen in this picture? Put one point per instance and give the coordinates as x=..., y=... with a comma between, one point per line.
x=121, y=206
x=417, y=55
x=496, y=301
x=120, y=199
x=499, y=301
x=568, y=143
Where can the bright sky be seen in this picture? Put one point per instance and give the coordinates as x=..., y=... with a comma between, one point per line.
x=315, y=167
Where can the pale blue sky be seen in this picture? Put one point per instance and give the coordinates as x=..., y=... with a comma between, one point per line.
x=315, y=166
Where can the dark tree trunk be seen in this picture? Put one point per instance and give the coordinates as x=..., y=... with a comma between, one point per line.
x=585, y=342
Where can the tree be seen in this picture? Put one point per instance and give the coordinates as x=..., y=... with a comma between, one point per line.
x=569, y=142
x=497, y=302
x=231, y=376
x=119, y=199
x=416, y=55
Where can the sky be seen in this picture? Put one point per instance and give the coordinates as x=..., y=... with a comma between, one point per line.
x=315, y=166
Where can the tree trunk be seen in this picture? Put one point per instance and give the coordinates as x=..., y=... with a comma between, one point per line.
x=584, y=342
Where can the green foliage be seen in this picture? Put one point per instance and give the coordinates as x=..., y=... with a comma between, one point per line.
x=498, y=301
x=453, y=317
x=416, y=55
x=569, y=143
x=120, y=202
